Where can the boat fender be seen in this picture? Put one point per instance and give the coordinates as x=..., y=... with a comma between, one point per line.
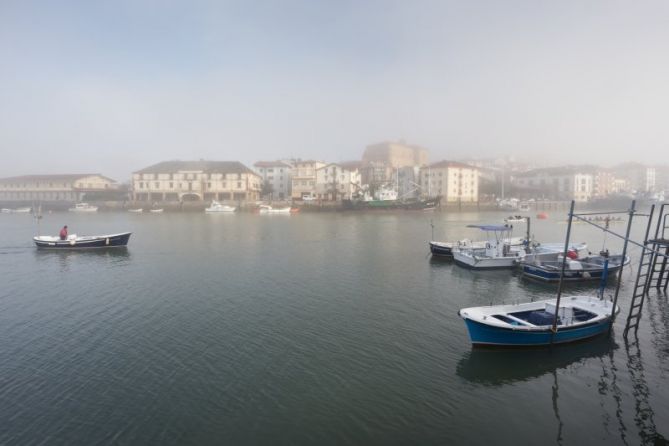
x=586, y=274
x=72, y=242
x=107, y=241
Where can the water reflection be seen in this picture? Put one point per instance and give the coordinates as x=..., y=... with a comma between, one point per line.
x=644, y=416
x=503, y=366
x=66, y=258
x=117, y=252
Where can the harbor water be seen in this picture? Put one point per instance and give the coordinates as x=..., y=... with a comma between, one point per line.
x=324, y=328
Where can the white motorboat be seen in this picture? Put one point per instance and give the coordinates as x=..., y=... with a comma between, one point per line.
x=136, y=211
x=156, y=211
x=445, y=249
x=264, y=209
x=497, y=252
x=83, y=207
x=217, y=207
x=6, y=211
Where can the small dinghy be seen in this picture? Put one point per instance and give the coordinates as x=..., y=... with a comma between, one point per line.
x=156, y=211
x=83, y=241
x=514, y=219
x=531, y=324
x=136, y=211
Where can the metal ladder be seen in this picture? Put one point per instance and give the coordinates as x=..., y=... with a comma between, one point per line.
x=659, y=274
x=646, y=262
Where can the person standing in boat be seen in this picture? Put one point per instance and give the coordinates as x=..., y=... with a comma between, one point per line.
x=63, y=233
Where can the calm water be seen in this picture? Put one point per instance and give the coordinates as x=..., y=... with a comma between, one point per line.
x=306, y=329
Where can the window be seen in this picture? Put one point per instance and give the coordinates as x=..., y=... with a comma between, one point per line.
x=157, y=184
x=171, y=185
x=239, y=184
x=141, y=185
x=208, y=185
x=225, y=184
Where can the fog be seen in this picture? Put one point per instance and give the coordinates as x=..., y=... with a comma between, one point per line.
x=112, y=87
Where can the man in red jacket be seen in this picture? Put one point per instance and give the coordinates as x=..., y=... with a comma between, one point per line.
x=63, y=233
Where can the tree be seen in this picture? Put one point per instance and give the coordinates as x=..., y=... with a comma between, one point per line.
x=267, y=189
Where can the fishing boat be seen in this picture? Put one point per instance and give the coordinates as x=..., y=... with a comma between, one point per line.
x=217, y=207
x=156, y=211
x=82, y=241
x=445, y=249
x=136, y=211
x=497, y=252
x=83, y=207
x=6, y=211
x=576, y=269
x=264, y=209
x=531, y=324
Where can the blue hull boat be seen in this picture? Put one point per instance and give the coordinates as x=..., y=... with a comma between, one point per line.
x=588, y=268
x=530, y=324
x=83, y=242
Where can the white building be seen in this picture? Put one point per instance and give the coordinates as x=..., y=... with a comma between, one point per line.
x=278, y=176
x=558, y=183
x=304, y=179
x=338, y=181
x=453, y=181
x=195, y=181
x=70, y=187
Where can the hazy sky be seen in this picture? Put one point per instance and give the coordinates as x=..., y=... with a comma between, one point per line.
x=113, y=86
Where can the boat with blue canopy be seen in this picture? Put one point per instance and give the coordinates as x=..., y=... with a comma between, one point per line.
x=496, y=253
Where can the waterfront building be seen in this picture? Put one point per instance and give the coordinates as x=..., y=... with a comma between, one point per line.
x=453, y=181
x=381, y=161
x=604, y=183
x=338, y=181
x=557, y=183
x=277, y=177
x=304, y=179
x=196, y=181
x=66, y=187
x=641, y=179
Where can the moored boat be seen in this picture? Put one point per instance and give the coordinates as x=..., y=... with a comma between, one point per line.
x=497, y=252
x=217, y=207
x=264, y=209
x=156, y=211
x=136, y=211
x=83, y=207
x=577, y=269
x=83, y=242
x=445, y=249
x=531, y=324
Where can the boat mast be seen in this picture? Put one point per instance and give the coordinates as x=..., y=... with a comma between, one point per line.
x=564, y=264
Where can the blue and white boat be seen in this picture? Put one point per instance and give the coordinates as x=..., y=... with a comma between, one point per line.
x=531, y=324
x=578, y=269
x=83, y=241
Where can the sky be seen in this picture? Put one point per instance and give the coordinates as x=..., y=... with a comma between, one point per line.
x=114, y=86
